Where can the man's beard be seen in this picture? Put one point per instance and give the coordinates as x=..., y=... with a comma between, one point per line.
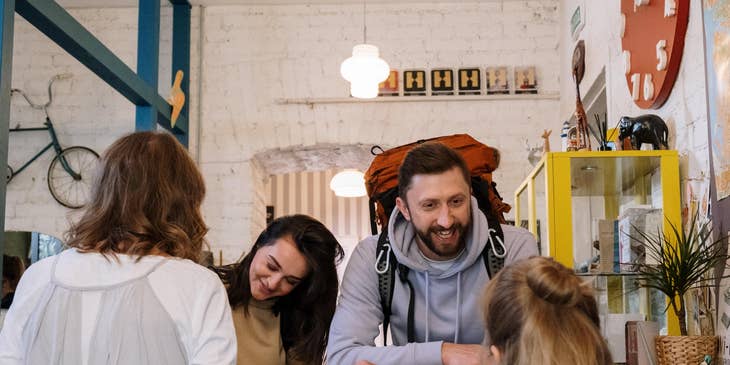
x=425, y=237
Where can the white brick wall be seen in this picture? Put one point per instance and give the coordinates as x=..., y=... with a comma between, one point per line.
x=253, y=55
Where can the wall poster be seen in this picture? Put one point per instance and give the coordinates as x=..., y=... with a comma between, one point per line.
x=717, y=64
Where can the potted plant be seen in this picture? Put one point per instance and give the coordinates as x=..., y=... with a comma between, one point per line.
x=682, y=261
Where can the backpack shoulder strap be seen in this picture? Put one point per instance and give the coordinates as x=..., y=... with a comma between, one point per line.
x=494, y=251
x=385, y=266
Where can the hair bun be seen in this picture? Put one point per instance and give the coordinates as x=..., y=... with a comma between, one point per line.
x=555, y=284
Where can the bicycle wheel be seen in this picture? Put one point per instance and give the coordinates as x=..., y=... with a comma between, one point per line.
x=69, y=191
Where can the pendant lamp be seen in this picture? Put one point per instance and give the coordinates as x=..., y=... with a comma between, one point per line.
x=365, y=69
x=349, y=183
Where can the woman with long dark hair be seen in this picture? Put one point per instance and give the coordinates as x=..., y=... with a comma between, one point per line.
x=283, y=293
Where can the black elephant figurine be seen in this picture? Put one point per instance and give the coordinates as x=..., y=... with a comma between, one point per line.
x=647, y=128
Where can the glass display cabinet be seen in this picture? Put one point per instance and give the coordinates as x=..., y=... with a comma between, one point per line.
x=582, y=208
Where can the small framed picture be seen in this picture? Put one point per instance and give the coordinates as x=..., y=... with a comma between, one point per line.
x=389, y=87
x=525, y=80
x=497, y=80
x=470, y=81
x=442, y=81
x=414, y=83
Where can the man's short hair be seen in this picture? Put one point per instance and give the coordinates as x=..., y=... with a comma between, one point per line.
x=429, y=158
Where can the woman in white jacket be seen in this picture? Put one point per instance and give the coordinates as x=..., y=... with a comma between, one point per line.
x=128, y=291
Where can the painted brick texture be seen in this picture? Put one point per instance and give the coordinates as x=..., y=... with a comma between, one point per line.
x=249, y=57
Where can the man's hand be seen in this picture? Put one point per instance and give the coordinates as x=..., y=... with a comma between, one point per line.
x=364, y=362
x=456, y=354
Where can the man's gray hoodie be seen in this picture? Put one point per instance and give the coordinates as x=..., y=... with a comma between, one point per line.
x=447, y=302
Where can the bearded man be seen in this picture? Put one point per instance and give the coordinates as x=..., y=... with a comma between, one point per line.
x=438, y=233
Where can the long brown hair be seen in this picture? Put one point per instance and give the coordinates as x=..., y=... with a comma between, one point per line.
x=146, y=198
x=307, y=311
x=539, y=312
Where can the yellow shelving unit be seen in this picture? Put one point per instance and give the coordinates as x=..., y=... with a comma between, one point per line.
x=566, y=193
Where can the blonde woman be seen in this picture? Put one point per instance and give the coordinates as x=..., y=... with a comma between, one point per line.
x=539, y=312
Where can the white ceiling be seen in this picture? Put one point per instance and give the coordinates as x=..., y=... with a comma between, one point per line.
x=134, y=3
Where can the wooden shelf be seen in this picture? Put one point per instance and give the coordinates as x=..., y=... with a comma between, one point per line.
x=416, y=99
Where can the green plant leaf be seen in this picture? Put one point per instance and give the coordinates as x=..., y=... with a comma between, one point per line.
x=684, y=258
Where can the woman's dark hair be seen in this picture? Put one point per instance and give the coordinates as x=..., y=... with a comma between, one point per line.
x=307, y=311
x=13, y=268
x=146, y=197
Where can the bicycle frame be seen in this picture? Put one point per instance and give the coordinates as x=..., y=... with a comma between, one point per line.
x=54, y=143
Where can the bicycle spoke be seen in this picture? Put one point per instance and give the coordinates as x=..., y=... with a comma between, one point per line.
x=76, y=193
x=62, y=184
x=65, y=188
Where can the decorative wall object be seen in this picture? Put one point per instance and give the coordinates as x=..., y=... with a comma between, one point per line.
x=442, y=81
x=717, y=64
x=470, y=81
x=525, y=80
x=462, y=81
x=389, y=87
x=414, y=83
x=534, y=154
x=581, y=120
x=652, y=40
x=577, y=21
x=497, y=80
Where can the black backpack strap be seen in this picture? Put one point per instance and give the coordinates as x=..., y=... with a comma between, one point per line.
x=373, y=216
x=385, y=266
x=403, y=275
x=494, y=251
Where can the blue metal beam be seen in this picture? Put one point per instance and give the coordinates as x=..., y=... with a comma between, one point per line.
x=148, y=58
x=7, y=22
x=53, y=21
x=181, y=56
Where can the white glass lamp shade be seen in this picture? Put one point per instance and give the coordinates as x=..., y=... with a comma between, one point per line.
x=364, y=70
x=348, y=183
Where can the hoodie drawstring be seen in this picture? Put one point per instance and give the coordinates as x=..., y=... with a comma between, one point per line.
x=428, y=307
x=458, y=306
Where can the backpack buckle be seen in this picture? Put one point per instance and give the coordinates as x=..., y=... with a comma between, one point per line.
x=382, y=269
x=499, y=254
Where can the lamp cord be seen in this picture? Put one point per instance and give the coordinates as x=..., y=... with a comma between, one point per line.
x=364, y=25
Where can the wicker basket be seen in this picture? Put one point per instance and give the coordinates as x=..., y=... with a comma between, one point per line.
x=684, y=350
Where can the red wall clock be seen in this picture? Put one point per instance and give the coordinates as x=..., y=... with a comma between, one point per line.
x=652, y=39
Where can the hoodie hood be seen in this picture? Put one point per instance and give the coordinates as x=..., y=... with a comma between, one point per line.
x=402, y=235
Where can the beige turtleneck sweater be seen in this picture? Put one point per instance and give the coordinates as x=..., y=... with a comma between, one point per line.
x=259, y=339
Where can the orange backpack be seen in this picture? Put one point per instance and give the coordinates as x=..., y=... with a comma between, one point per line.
x=381, y=178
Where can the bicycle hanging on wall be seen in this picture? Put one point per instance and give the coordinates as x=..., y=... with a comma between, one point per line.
x=71, y=170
